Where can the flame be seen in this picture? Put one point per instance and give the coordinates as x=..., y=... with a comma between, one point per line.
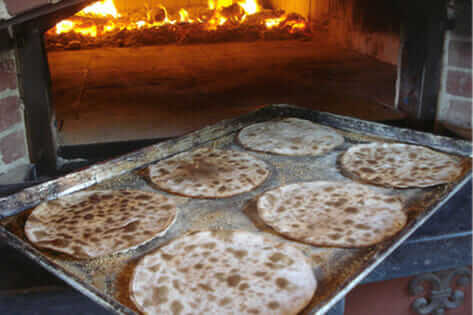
x=87, y=31
x=250, y=6
x=100, y=9
x=64, y=26
x=110, y=26
x=106, y=9
x=184, y=16
x=219, y=4
x=295, y=25
x=166, y=19
x=67, y=26
x=222, y=20
x=140, y=24
x=273, y=22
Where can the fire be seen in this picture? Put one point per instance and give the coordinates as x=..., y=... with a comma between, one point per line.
x=219, y=4
x=99, y=9
x=67, y=26
x=222, y=20
x=103, y=8
x=184, y=16
x=64, y=26
x=250, y=6
x=140, y=24
x=87, y=31
x=296, y=26
x=166, y=19
x=110, y=26
x=270, y=23
x=102, y=18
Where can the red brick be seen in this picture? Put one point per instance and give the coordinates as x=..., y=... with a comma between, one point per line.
x=459, y=83
x=7, y=80
x=12, y=147
x=7, y=72
x=459, y=54
x=16, y=7
x=459, y=113
x=9, y=112
x=7, y=64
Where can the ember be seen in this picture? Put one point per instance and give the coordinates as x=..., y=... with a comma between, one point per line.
x=100, y=24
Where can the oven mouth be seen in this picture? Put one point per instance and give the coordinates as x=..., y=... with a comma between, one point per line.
x=179, y=72
x=349, y=60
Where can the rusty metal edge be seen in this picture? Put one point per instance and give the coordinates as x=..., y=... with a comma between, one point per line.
x=445, y=144
x=89, y=291
x=32, y=196
x=383, y=254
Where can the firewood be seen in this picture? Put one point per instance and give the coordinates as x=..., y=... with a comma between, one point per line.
x=124, y=31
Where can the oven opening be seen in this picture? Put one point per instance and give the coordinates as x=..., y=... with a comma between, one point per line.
x=124, y=70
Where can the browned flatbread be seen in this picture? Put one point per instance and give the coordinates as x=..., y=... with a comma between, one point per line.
x=400, y=165
x=290, y=136
x=223, y=272
x=96, y=223
x=334, y=214
x=209, y=173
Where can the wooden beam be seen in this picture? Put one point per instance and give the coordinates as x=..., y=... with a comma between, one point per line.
x=35, y=83
x=5, y=40
x=423, y=27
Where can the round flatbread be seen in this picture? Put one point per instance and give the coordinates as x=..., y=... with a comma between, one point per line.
x=400, y=165
x=223, y=272
x=290, y=136
x=332, y=213
x=209, y=173
x=96, y=223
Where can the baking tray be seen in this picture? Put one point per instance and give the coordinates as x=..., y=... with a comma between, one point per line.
x=105, y=279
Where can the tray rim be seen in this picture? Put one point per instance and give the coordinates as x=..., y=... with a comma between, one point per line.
x=384, y=253
x=21, y=201
x=32, y=196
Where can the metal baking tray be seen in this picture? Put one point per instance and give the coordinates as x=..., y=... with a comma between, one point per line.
x=105, y=280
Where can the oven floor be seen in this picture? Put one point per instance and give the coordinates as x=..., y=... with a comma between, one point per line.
x=118, y=94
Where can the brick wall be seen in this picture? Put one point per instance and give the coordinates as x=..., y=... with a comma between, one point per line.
x=13, y=145
x=455, y=98
x=4, y=15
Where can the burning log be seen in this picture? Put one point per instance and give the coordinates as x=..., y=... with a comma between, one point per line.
x=154, y=26
x=233, y=13
x=157, y=15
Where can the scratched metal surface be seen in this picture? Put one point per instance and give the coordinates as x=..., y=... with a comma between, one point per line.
x=105, y=279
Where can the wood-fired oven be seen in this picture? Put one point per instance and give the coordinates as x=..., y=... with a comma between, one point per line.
x=182, y=71
x=88, y=80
